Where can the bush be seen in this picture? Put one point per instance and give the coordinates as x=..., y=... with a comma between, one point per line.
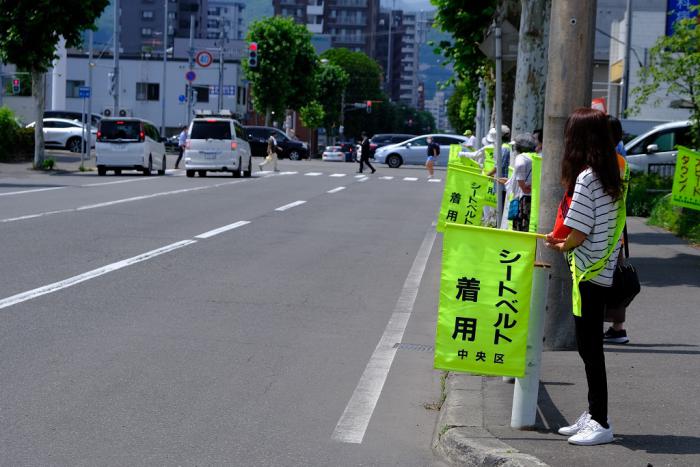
x=681, y=221
x=18, y=142
x=644, y=191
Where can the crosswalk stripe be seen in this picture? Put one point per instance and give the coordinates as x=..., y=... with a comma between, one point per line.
x=386, y=178
x=435, y=180
x=337, y=175
x=313, y=174
x=410, y=179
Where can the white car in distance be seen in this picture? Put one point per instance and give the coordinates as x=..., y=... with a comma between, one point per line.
x=415, y=150
x=333, y=154
x=62, y=133
x=129, y=144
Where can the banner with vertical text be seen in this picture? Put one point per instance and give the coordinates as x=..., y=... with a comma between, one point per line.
x=686, y=179
x=464, y=197
x=485, y=289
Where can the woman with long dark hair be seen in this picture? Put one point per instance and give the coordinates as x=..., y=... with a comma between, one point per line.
x=591, y=177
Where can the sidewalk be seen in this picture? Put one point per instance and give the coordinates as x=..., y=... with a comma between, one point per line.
x=652, y=381
x=65, y=162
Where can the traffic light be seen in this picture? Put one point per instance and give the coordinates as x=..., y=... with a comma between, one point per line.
x=112, y=83
x=253, y=55
x=15, y=86
x=369, y=107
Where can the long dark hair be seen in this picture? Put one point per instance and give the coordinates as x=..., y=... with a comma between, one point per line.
x=588, y=143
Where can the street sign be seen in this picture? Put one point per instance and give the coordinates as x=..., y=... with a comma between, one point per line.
x=203, y=59
x=228, y=90
x=181, y=98
x=190, y=76
x=84, y=92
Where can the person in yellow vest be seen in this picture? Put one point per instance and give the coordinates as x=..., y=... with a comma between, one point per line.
x=525, y=145
x=595, y=216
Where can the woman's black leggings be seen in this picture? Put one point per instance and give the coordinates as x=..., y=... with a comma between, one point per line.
x=589, y=338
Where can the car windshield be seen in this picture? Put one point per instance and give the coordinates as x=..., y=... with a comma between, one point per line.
x=333, y=148
x=210, y=129
x=120, y=129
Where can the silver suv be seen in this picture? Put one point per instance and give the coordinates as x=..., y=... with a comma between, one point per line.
x=658, y=145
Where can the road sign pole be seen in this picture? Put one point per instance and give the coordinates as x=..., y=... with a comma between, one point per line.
x=82, y=134
x=91, y=65
x=190, y=52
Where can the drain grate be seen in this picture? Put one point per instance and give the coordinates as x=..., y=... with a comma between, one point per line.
x=413, y=347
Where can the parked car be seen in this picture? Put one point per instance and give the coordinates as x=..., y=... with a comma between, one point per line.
x=172, y=143
x=291, y=148
x=217, y=144
x=71, y=115
x=658, y=145
x=333, y=153
x=415, y=150
x=385, y=139
x=129, y=144
x=64, y=134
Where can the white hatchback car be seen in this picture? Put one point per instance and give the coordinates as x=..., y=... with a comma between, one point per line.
x=64, y=133
x=415, y=150
x=333, y=153
x=129, y=144
x=217, y=144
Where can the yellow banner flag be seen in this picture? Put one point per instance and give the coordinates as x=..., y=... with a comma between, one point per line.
x=485, y=288
x=535, y=193
x=686, y=179
x=455, y=160
x=464, y=197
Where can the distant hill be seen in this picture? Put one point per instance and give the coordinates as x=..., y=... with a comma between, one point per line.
x=257, y=9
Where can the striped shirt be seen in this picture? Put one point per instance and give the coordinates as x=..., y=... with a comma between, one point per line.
x=594, y=213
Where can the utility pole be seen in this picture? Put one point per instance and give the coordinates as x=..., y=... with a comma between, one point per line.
x=117, y=14
x=626, y=79
x=570, y=58
x=388, y=53
x=220, y=100
x=498, y=144
x=190, y=89
x=165, y=67
x=91, y=65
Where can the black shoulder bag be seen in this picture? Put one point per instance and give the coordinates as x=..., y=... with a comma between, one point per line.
x=625, y=280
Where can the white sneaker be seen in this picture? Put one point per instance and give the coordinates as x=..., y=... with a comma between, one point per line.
x=577, y=426
x=591, y=434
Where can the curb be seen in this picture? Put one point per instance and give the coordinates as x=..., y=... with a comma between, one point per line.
x=460, y=437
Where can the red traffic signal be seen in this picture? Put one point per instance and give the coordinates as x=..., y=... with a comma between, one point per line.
x=253, y=54
x=15, y=86
x=253, y=46
x=369, y=106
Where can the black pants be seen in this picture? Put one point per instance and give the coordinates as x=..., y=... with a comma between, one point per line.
x=364, y=160
x=181, y=150
x=589, y=338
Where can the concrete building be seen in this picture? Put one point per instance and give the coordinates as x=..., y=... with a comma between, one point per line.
x=225, y=19
x=141, y=89
x=351, y=24
x=648, y=24
x=438, y=107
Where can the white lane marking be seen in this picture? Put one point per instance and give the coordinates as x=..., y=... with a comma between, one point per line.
x=71, y=281
x=313, y=174
x=410, y=179
x=353, y=423
x=363, y=179
x=37, y=190
x=120, y=181
x=336, y=190
x=386, y=178
x=288, y=173
x=118, y=201
x=359, y=176
x=223, y=229
x=434, y=180
x=290, y=205
x=337, y=175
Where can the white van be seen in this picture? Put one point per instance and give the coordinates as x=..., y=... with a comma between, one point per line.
x=217, y=144
x=129, y=144
x=658, y=145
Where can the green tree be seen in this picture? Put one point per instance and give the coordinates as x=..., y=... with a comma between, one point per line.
x=461, y=107
x=312, y=116
x=365, y=74
x=331, y=82
x=29, y=32
x=285, y=75
x=675, y=66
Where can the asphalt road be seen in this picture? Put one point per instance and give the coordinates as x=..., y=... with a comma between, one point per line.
x=278, y=320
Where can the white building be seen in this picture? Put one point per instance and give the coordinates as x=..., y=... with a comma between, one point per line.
x=225, y=19
x=438, y=107
x=141, y=89
x=648, y=24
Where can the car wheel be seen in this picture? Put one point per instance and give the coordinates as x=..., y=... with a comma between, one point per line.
x=147, y=171
x=189, y=173
x=101, y=170
x=202, y=173
x=294, y=155
x=394, y=161
x=162, y=167
x=237, y=172
x=248, y=173
x=74, y=144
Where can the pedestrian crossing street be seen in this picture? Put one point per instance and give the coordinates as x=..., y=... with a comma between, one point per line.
x=358, y=177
